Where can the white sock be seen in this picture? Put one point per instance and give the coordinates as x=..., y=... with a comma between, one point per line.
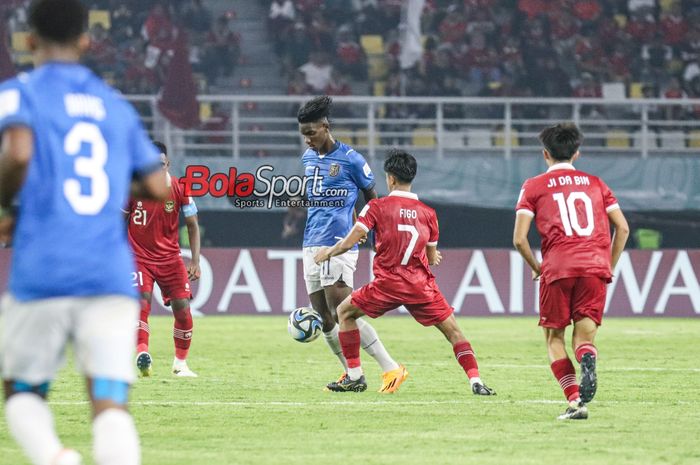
x=355, y=373
x=373, y=346
x=334, y=344
x=474, y=380
x=116, y=441
x=31, y=423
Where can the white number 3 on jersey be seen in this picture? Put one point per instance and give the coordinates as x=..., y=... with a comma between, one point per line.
x=91, y=167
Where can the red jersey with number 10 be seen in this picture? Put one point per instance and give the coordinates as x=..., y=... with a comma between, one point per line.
x=403, y=227
x=571, y=213
x=154, y=226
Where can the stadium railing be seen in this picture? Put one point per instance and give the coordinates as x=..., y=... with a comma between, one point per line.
x=263, y=125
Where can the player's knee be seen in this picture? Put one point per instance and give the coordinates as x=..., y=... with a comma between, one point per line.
x=110, y=390
x=180, y=305
x=18, y=387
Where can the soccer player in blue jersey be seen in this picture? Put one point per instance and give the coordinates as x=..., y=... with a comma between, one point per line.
x=71, y=149
x=344, y=172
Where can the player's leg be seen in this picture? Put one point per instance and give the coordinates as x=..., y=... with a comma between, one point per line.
x=588, y=304
x=555, y=316
x=182, y=336
x=337, y=279
x=33, y=337
x=143, y=278
x=464, y=354
x=104, y=342
x=349, y=336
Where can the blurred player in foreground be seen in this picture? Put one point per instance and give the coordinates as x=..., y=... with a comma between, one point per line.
x=71, y=147
x=154, y=236
x=573, y=211
x=344, y=172
x=407, y=235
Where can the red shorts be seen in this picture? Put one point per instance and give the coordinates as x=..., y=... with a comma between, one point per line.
x=171, y=277
x=375, y=303
x=572, y=299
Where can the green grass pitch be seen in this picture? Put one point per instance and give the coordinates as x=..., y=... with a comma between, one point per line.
x=258, y=399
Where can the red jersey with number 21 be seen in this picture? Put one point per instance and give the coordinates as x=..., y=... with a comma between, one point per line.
x=403, y=227
x=571, y=213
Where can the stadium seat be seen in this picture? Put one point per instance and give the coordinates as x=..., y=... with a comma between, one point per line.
x=453, y=139
x=19, y=41
x=423, y=137
x=621, y=20
x=479, y=138
x=638, y=137
x=99, y=17
x=666, y=5
x=372, y=44
x=617, y=138
x=345, y=135
x=613, y=90
x=362, y=138
x=377, y=68
x=637, y=90
x=204, y=111
x=694, y=139
x=672, y=139
x=499, y=138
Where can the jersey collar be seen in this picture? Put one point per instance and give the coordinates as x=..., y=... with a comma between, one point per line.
x=335, y=147
x=561, y=166
x=408, y=195
x=168, y=180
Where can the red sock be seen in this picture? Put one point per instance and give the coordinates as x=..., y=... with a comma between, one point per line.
x=143, y=330
x=585, y=348
x=182, y=332
x=350, y=343
x=465, y=357
x=565, y=373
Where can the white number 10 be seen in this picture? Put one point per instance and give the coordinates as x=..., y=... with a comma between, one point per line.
x=411, y=245
x=569, y=217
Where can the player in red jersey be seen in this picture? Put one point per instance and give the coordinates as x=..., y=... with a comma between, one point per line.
x=406, y=234
x=154, y=234
x=573, y=211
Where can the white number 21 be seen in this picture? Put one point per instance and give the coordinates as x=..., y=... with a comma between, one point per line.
x=91, y=167
x=411, y=245
x=569, y=217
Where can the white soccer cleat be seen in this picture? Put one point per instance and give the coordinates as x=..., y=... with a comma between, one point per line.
x=68, y=457
x=180, y=368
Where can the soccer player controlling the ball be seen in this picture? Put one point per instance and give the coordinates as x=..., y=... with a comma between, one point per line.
x=406, y=239
x=71, y=147
x=154, y=236
x=573, y=211
x=343, y=172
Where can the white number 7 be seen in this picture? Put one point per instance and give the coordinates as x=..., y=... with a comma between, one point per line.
x=411, y=245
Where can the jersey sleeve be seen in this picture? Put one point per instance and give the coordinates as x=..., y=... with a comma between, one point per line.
x=144, y=155
x=360, y=171
x=367, y=218
x=434, y=229
x=14, y=106
x=189, y=208
x=609, y=199
x=526, y=200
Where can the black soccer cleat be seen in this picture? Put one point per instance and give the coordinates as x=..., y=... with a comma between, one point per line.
x=144, y=364
x=482, y=390
x=577, y=412
x=348, y=385
x=589, y=380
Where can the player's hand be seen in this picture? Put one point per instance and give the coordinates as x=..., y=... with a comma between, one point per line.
x=437, y=259
x=193, y=271
x=536, y=273
x=7, y=227
x=362, y=240
x=322, y=255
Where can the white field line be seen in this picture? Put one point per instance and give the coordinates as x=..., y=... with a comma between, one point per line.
x=274, y=403
x=601, y=367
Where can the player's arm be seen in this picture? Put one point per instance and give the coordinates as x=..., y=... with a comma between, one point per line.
x=434, y=255
x=622, y=232
x=342, y=246
x=193, y=271
x=369, y=193
x=522, y=245
x=15, y=154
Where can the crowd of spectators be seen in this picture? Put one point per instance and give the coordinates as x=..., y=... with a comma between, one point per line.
x=548, y=48
x=134, y=47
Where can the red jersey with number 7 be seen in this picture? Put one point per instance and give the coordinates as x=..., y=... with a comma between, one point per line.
x=403, y=227
x=571, y=214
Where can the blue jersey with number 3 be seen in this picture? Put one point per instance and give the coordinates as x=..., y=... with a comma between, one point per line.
x=70, y=237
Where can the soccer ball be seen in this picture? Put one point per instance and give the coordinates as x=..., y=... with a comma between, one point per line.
x=305, y=324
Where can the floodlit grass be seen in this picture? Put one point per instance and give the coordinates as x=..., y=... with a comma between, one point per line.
x=259, y=399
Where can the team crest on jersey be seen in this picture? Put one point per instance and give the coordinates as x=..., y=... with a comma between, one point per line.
x=169, y=206
x=334, y=169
